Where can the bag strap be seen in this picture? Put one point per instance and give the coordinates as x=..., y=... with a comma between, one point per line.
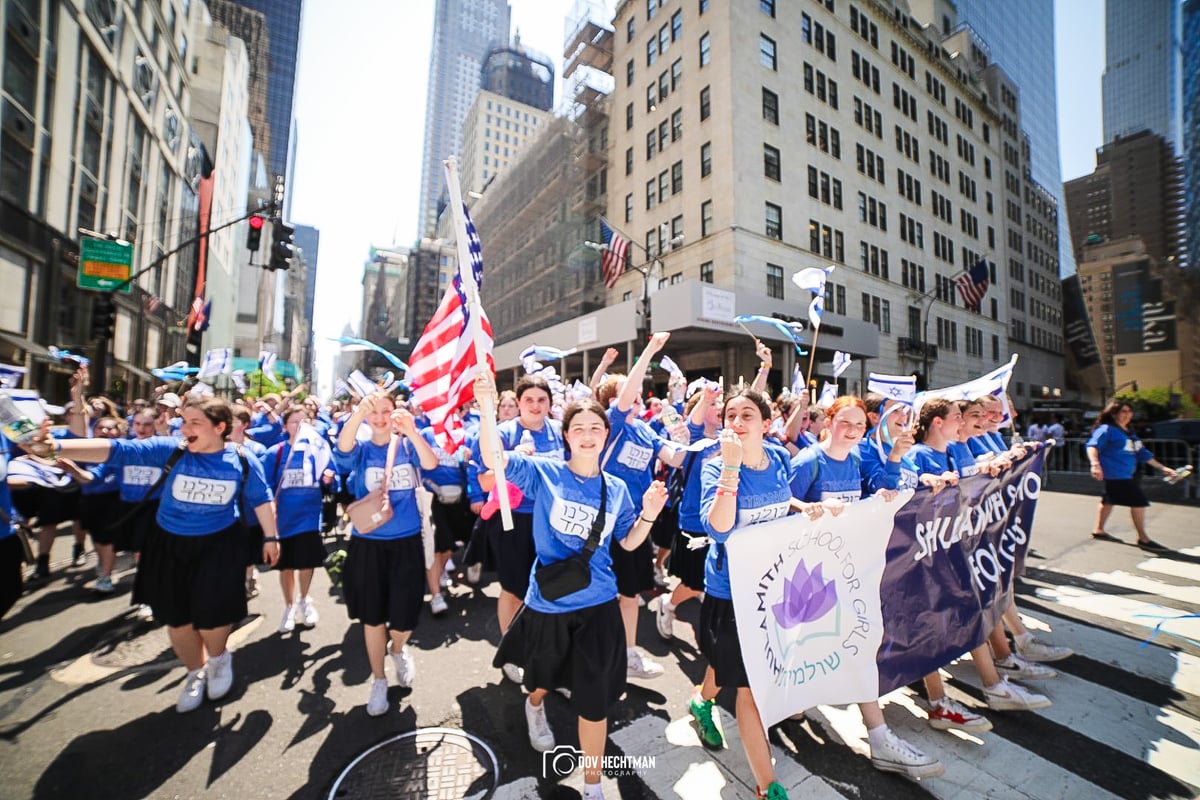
x=387, y=469
x=172, y=460
x=593, y=540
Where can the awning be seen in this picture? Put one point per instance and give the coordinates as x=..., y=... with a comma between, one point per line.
x=136, y=371
x=30, y=347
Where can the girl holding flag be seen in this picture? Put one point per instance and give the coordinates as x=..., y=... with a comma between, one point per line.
x=298, y=467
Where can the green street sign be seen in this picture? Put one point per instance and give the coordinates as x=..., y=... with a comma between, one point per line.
x=105, y=264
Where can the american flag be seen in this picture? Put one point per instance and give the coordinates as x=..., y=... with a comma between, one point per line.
x=196, y=314
x=973, y=284
x=443, y=365
x=616, y=253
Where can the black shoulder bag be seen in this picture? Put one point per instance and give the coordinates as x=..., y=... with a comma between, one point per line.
x=573, y=574
x=129, y=515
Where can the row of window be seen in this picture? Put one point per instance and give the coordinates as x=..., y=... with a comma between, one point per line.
x=822, y=186
x=668, y=183
x=657, y=45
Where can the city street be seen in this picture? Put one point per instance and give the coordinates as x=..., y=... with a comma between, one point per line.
x=87, y=696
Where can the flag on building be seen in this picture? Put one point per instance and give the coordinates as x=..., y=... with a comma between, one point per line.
x=445, y=361
x=973, y=284
x=616, y=254
x=218, y=361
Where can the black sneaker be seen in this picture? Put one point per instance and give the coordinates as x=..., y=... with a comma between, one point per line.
x=76, y=554
x=42, y=571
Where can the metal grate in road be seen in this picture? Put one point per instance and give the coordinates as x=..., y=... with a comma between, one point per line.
x=425, y=764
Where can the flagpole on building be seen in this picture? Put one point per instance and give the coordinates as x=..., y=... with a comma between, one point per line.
x=475, y=311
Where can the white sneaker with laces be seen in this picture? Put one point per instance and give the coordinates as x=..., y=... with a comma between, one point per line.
x=445, y=581
x=897, y=755
x=474, y=573
x=144, y=612
x=287, y=623
x=1006, y=696
x=220, y=675
x=437, y=604
x=638, y=666
x=1037, y=650
x=946, y=714
x=193, y=692
x=1018, y=668
x=541, y=737
x=665, y=619
x=307, y=613
x=406, y=668
x=377, y=704
x=514, y=673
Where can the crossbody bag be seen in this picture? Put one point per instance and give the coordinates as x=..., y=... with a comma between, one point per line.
x=375, y=509
x=573, y=574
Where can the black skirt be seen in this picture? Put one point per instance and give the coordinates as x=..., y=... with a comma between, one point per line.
x=383, y=581
x=583, y=651
x=685, y=564
x=720, y=644
x=1126, y=492
x=301, y=551
x=97, y=513
x=634, y=568
x=452, y=523
x=194, y=580
x=513, y=552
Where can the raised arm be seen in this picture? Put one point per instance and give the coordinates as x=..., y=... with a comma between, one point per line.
x=485, y=386
x=637, y=373
x=349, y=434
x=764, y=366
x=404, y=422
x=606, y=361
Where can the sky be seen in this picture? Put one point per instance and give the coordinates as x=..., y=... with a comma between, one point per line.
x=360, y=111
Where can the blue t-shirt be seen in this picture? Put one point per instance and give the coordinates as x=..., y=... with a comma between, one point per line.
x=5, y=495
x=267, y=433
x=1120, y=454
x=630, y=453
x=366, y=463
x=449, y=471
x=880, y=473
x=689, y=501
x=763, y=495
x=929, y=460
x=104, y=480
x=817, y=476
x=547, y=442
x=564, y=509
x=136, y=479
x=200, y=495
x=292, y=476
x=962, y=460
x=985, y=443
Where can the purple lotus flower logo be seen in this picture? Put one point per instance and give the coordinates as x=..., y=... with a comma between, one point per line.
x=806, y=597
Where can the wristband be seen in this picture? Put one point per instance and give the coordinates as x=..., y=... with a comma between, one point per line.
x=726, y=492
x=647, y=521
x=763, y=365
x=274, y=539
x=726, y=468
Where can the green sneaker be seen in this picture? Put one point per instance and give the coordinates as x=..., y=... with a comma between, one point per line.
x=710, y=733
x=774, y=792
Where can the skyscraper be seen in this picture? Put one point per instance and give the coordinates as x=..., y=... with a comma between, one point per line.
x=463, y=33
x=1191, y=125
x=519, y=74
x=283, y=48
x=1142, y=69
x=1026, y=53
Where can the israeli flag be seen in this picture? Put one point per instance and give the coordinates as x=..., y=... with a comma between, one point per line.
x=239, y=380
x=829, y=394
x=216, y=362
x=797, y=381
x=546, y=353
x=266, y=362
x=841, y=363
x=901, y=388
x=670, y=366
x=994, y=383
x=11, y=376
x=360, y=384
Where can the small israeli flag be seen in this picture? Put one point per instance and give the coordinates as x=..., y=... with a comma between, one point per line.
x=266, y=362
x=669, y=365
x=239, y=380
x=218, y=361
x=841, y=363
x=901, y=388
x=829, y=395
x=360, y=384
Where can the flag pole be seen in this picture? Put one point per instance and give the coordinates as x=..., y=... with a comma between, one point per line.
x=487, y=406
x=812, y=358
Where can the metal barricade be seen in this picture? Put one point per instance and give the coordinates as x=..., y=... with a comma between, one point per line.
x=1070, y=459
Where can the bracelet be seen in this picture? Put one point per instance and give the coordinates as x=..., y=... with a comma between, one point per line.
x=763, y=365
x=726, y=468
x=647, y=521
x=274, y=539
x=726, y=492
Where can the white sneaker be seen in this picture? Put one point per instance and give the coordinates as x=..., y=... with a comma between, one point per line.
x=541, y=738
x=144, y=613
x=1018, y=668
x=946, y=714
x=897, y=755
x=445, y=581
x=377, y=704
x=514, y=673
x=1006, y=696
x=406, y=668
x=660, y=576
x=437, y=604
x=220, y=675
x=287, y=623
x=307, y=612
x=193, y=692
x=637, y=666
x=474, y=573
x=450, y=565
x=1037, y=650
x=665, y=619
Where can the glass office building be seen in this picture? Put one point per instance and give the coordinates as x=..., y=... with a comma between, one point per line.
x=1142, y=66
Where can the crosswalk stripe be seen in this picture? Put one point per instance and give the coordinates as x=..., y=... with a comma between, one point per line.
x=1173, y=567
x=1124, y=610
x=1138, y=583
x=1163, y=738
x=1178, y=670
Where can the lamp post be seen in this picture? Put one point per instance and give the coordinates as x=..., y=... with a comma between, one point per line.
x=646, y=268
x=927, y=299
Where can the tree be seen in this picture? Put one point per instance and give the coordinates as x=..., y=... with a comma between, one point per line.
x=1154, y=404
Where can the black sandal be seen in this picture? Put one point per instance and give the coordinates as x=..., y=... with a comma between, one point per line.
x=1104, y=536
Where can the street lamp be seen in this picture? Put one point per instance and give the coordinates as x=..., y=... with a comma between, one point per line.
x=645, y=269
x=927, y=299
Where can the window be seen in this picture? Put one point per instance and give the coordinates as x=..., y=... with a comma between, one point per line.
x=677, y=177
x=705, y=50
x=775, y=281
x=651, y=52
x=766, y=52
x=629, y=161
x=629, y=30
x=629, y=117
x=706, y=272
x=703, y=6
x=770, y=106
x=767, y=7
x=676, y=25
x=771, y=167
x=651, y=143
x=705, y=103
x=676, y=125
x=629, y=73
x=835, y=298
x=774, y=222
x=676, y=73
x=664, y=86
x=629, y=207
x=877, y=311
x=705, y=159
x=664, y=186
x=651, y=194
x=706, y=218
x=651, y=98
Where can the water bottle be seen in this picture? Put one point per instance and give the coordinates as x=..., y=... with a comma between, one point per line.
x=13, y=422
x=527, y=438
x=674, y=424
x=1183, y=473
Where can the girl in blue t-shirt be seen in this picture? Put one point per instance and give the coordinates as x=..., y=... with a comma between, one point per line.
x=12, y=554
x=298, y=468
x=1115, y=454
x=384, y=574
x=577, y=638
x=884, y=451
x=745, y=485
x=190, y=572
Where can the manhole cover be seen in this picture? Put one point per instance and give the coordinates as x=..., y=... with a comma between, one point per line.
x=425, y=764
x=134, y=644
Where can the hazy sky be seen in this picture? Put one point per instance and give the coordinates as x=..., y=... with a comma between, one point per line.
x=361, y=105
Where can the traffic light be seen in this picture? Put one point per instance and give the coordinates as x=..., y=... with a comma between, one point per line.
x=282, y=246
x=254, y=234
x=104, y=316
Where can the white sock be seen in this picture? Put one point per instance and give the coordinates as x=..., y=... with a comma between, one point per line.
x=1023, y=639
x=593, y=791
x=877, y=736
x=631, y=652
x=667, y=605
x=194, y=672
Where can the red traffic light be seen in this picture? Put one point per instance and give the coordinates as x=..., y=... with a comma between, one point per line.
x=256, y=223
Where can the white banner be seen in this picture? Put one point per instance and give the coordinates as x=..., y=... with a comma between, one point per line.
x=806, y=598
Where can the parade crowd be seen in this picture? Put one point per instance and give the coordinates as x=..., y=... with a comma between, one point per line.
x=612, y=496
